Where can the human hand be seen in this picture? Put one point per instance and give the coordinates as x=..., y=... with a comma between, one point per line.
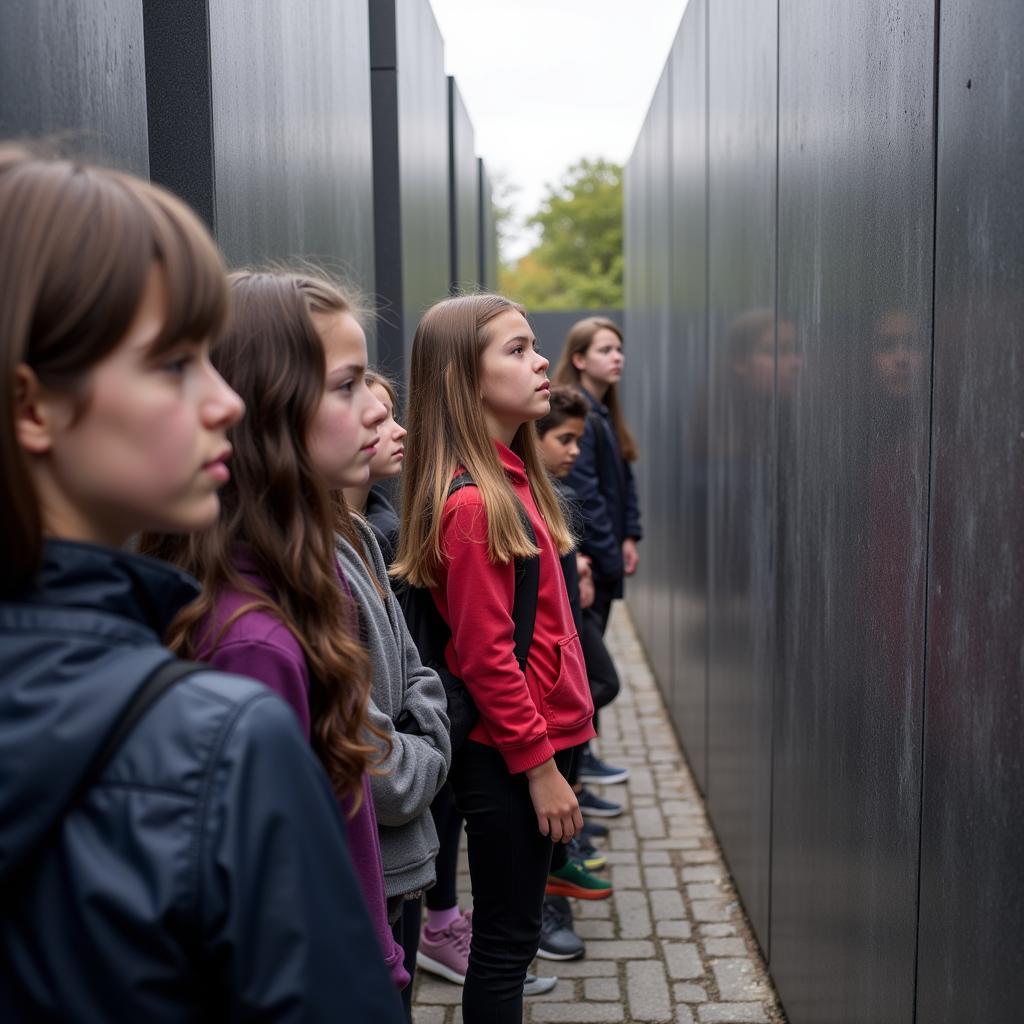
x=586, y=592
x=630, y=556
x=556, y=806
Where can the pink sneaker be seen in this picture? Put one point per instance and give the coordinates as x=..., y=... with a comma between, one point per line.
x=446, y=953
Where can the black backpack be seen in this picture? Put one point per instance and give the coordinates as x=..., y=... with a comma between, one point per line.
x=431, y=634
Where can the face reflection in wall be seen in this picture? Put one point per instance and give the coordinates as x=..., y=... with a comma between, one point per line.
x=897, y=354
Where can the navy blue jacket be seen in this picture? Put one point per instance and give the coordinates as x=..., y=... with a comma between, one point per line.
x=603, y=483
x=205, y=875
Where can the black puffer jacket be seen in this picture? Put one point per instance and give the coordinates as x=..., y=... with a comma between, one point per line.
x=205, y=875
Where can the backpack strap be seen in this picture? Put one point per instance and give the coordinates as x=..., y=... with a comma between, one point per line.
x=524, y=602
x=155, y=685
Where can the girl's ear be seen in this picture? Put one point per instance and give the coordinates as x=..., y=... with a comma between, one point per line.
x=579, y=360
x=36, y=416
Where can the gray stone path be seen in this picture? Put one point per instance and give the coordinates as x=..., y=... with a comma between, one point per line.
x=672, y=944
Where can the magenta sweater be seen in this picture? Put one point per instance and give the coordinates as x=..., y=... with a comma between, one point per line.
x=258, y=646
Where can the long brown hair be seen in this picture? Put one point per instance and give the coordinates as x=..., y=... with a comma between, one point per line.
x=578, y=340
x=277, y=507
x=77, y=244
x=447, y=430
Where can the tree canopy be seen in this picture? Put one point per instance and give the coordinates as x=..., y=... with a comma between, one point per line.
x=577, y=264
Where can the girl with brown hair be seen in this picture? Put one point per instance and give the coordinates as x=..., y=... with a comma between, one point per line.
x=602, y=481
x=166, y=851
x=274, y=605
x=477, y=383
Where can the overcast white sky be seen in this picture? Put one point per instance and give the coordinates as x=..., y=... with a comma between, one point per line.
x=549, y=81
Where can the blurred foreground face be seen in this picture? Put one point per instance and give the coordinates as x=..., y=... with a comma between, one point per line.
x=147, y=449
x=560, y=446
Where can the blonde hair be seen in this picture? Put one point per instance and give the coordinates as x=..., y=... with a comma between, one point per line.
x=447, y=431
x=578, y=340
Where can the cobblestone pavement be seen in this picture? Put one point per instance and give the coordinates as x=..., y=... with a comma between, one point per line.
x=672, y=944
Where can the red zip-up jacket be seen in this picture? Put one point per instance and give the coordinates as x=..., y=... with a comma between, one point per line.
x=527, y=717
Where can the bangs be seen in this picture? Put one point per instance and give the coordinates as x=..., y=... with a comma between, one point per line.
x=196, y=280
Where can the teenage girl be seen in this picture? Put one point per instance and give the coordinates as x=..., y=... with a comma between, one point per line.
x=477, y=383
x=443, y=947
x=272, y=605
x=602, y=477
x=408, y=707
x=602, y=481
x=199, y=869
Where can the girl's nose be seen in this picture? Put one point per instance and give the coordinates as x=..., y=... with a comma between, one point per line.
x=222, y=407
x=376, y=411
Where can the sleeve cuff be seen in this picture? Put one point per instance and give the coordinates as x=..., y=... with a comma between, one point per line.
x=522, y=759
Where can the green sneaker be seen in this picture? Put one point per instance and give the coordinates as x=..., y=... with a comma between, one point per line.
x=572, y=879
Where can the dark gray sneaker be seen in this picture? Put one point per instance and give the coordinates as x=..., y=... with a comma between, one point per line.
x=557, y=939
x=592, y=805
x=593, y=769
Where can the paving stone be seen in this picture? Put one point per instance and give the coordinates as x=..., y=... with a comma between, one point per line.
x=641, y=783
x=585, y=968
x=680, y=807
x=684, y=1015
x=660, y=878
x=710, y=910
x=431, y=1014
x=725, y=947
x=707, y=873
x=736, y=979
x=563, y=992
x=435, y=991
x=684, y=992
x=673, y=843
x=683, y=960
x=703, y=891
x=647, y=990
x=717, y=931
x=667, y=905
x=601, y=989
x=595, y=929
x=673, y=929
x=621, y=949
x=731, y=1013
x=577, y=1013
x=626, y=876
x=623, y=839
x=633, y=913
x=592, y=910
x=655, y=857
x=699, y=856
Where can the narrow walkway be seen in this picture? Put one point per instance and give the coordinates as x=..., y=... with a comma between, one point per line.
x=672, y=944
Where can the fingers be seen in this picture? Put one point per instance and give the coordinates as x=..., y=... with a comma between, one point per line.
x=557, y=831
x=577, y=821
x=542, y=825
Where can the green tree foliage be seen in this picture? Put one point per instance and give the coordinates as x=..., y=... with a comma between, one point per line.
x=578, y=262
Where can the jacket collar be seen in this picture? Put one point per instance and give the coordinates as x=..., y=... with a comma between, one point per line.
x=77, y=575
x=595, y=403
x=514, y=468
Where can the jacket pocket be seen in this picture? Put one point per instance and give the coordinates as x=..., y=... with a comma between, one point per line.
x=567, y=704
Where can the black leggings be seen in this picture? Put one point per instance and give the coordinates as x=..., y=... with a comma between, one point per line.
x=406, y=931
x=448, y=822
x=508, y=863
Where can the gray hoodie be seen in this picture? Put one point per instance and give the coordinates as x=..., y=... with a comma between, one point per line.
x=418, y=764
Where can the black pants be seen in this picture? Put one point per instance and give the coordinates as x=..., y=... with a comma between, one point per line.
x=508, y=864
x=448, y=822
x=604, y=594
x=406, y=931
x=604, y=680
